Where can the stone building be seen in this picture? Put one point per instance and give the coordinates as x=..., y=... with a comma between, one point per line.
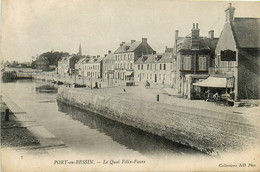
x=194, y=55
x=156, y=68
x=67, y=64
x=79, y=66
x=93, y=68
x=126, y=55
x=238, y=54
x=42, y=63
x=109, y=64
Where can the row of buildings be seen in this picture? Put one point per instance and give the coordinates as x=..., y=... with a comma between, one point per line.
x=228, y=64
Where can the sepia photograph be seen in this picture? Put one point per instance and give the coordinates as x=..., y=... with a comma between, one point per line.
x=130, y=85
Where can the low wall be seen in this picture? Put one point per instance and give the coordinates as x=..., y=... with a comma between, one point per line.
x=193, y=128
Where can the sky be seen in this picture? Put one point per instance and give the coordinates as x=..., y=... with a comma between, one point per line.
x=31, y=27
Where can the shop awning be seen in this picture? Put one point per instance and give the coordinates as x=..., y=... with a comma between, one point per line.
x=215, y=82
x=128, y=73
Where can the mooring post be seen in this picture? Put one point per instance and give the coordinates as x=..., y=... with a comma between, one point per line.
x=6, y=114
x=158, y=98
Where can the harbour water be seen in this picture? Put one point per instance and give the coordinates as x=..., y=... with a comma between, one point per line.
x=85, y=132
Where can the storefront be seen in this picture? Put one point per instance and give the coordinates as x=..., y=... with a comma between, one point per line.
x=222, y=86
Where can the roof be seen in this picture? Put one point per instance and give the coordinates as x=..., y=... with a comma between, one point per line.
x=82, y=60
x=128, y=47
x=109, y=57
x=95, y=60
x=42, y=58
x=155, y=58
x=204, y=43
x=246, y=32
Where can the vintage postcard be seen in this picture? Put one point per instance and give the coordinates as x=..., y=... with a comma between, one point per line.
x=140, y=85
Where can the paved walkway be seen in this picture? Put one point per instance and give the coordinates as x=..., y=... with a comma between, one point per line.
x=166, y=94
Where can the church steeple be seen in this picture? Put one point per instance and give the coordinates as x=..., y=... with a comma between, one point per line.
x=80, y=51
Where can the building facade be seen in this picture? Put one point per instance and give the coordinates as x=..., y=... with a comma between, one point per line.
x=238, y=54
x=79, y=66
x=156, y=68
x=194, y=55
x=67, y=64
x=126, y=55
x=42, y=63
x=109, y=65
x=93, y=68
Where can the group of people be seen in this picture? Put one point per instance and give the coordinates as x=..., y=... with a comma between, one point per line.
x=209, y=96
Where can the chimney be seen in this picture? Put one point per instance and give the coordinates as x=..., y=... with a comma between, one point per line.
x=121, y=44
x=230, y=13
x=211, y=34
x=195, y=34
x=195, y=31
x=109, y=51
x=132, y=41
x=144, y=39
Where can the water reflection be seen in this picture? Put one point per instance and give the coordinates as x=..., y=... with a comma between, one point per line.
x=143, y=142
x=46, y=89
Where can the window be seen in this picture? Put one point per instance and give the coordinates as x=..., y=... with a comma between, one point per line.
x=142, y=67
x=159, y=76
x=164, y=66
x=151, y=76
x=130, y=65
x=124, y=57
x=138, y=67
x=187, y=63
x=151, y=67
x=202, y=62
x=160, y=66
x=147, y=66
x=154, y=66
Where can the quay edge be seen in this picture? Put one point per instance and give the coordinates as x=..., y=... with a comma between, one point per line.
x=153, y=117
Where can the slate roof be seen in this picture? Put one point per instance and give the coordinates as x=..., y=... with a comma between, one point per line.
x=246, y=32
x=204, y=43
x=131, y=47
x=165, y=58
x=82, y=60
x=109, y=57
x=95, y=60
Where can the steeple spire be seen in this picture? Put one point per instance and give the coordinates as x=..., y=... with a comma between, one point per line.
x=80, y=51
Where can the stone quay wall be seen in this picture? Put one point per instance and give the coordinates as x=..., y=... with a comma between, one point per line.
x=202, y=130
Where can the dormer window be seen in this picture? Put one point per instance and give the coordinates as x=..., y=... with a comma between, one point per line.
x=158, y=57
